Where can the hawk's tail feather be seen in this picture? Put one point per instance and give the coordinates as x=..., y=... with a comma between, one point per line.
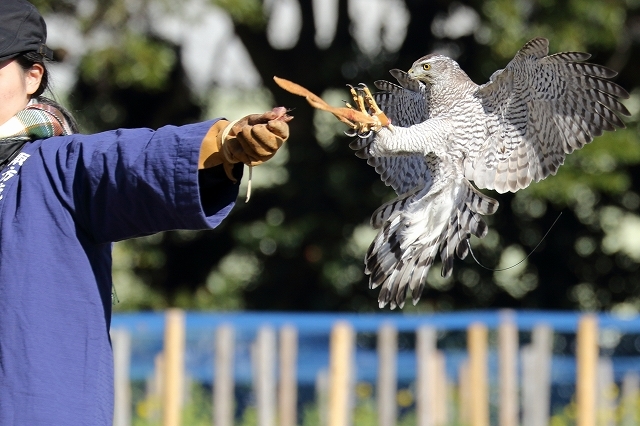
x=394, y=207
x=462, y=251
x=467, y=219
x=480, y=203
x=383, y=252
x=415, y=228
x=410, y=278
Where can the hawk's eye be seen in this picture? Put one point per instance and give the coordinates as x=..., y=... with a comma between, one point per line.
x=426, y=67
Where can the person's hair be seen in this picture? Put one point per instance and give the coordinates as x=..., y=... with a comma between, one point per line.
x=26, y=61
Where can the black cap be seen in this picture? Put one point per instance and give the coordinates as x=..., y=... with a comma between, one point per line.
x=22, y=29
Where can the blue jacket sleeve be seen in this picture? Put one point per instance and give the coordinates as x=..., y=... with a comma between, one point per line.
x=133, y=182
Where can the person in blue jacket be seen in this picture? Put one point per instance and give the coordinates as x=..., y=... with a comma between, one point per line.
x=64, y=199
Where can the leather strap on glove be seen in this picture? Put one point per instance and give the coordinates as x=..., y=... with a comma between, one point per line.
x=252, y=140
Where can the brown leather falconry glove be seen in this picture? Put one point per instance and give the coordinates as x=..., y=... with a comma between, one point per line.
x=252, y=140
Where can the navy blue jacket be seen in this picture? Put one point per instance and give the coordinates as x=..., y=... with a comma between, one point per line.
x=63, y=201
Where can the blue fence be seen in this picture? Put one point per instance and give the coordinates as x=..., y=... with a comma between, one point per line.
x=620, y=338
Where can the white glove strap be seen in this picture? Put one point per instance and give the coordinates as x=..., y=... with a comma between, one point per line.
x=224, y=135
x=227, y=130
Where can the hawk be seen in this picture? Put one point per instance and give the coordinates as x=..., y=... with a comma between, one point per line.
x=447, y=132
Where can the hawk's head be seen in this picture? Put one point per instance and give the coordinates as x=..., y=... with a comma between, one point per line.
x=433, y=68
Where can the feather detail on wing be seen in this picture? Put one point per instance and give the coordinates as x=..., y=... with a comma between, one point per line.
x=405, y=104
x=543, y=108
x=415, y=228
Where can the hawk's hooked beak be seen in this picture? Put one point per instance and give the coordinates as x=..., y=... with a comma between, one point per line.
x=420, y=77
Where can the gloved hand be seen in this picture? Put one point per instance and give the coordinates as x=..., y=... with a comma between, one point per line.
x=252, y=140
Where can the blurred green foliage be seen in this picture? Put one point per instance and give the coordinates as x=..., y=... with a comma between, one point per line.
x=299, y=243
x=136, y=61
x=246, y=12
x=197, y=410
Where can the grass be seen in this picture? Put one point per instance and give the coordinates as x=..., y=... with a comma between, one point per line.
x=198, y=410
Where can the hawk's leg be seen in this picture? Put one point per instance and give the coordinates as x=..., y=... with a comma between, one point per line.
x=364, y=102
x=373, y=106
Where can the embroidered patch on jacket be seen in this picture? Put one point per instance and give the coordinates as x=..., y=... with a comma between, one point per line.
x=14, y=165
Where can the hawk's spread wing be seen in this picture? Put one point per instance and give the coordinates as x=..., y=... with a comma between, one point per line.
x=404, y=105
x=544, y=107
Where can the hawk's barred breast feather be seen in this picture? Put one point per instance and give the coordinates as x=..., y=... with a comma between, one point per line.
x=448, y=132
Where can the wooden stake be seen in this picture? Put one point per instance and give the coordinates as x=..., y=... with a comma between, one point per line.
x=529, y=384
x=322, y=391
x=288, y=392
x=426, y=343
x=606, y=394
x=387, y=375
x=264, y=359
x=173, y=382
x=542, y=347
x=587, y=362
x=508, y=370
x=341, y=375
x=440, y=412
x=464, y=394
x=121, y=343
x=629, y=399
x=156, y=385
x=223, y=395
x=477, y=343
